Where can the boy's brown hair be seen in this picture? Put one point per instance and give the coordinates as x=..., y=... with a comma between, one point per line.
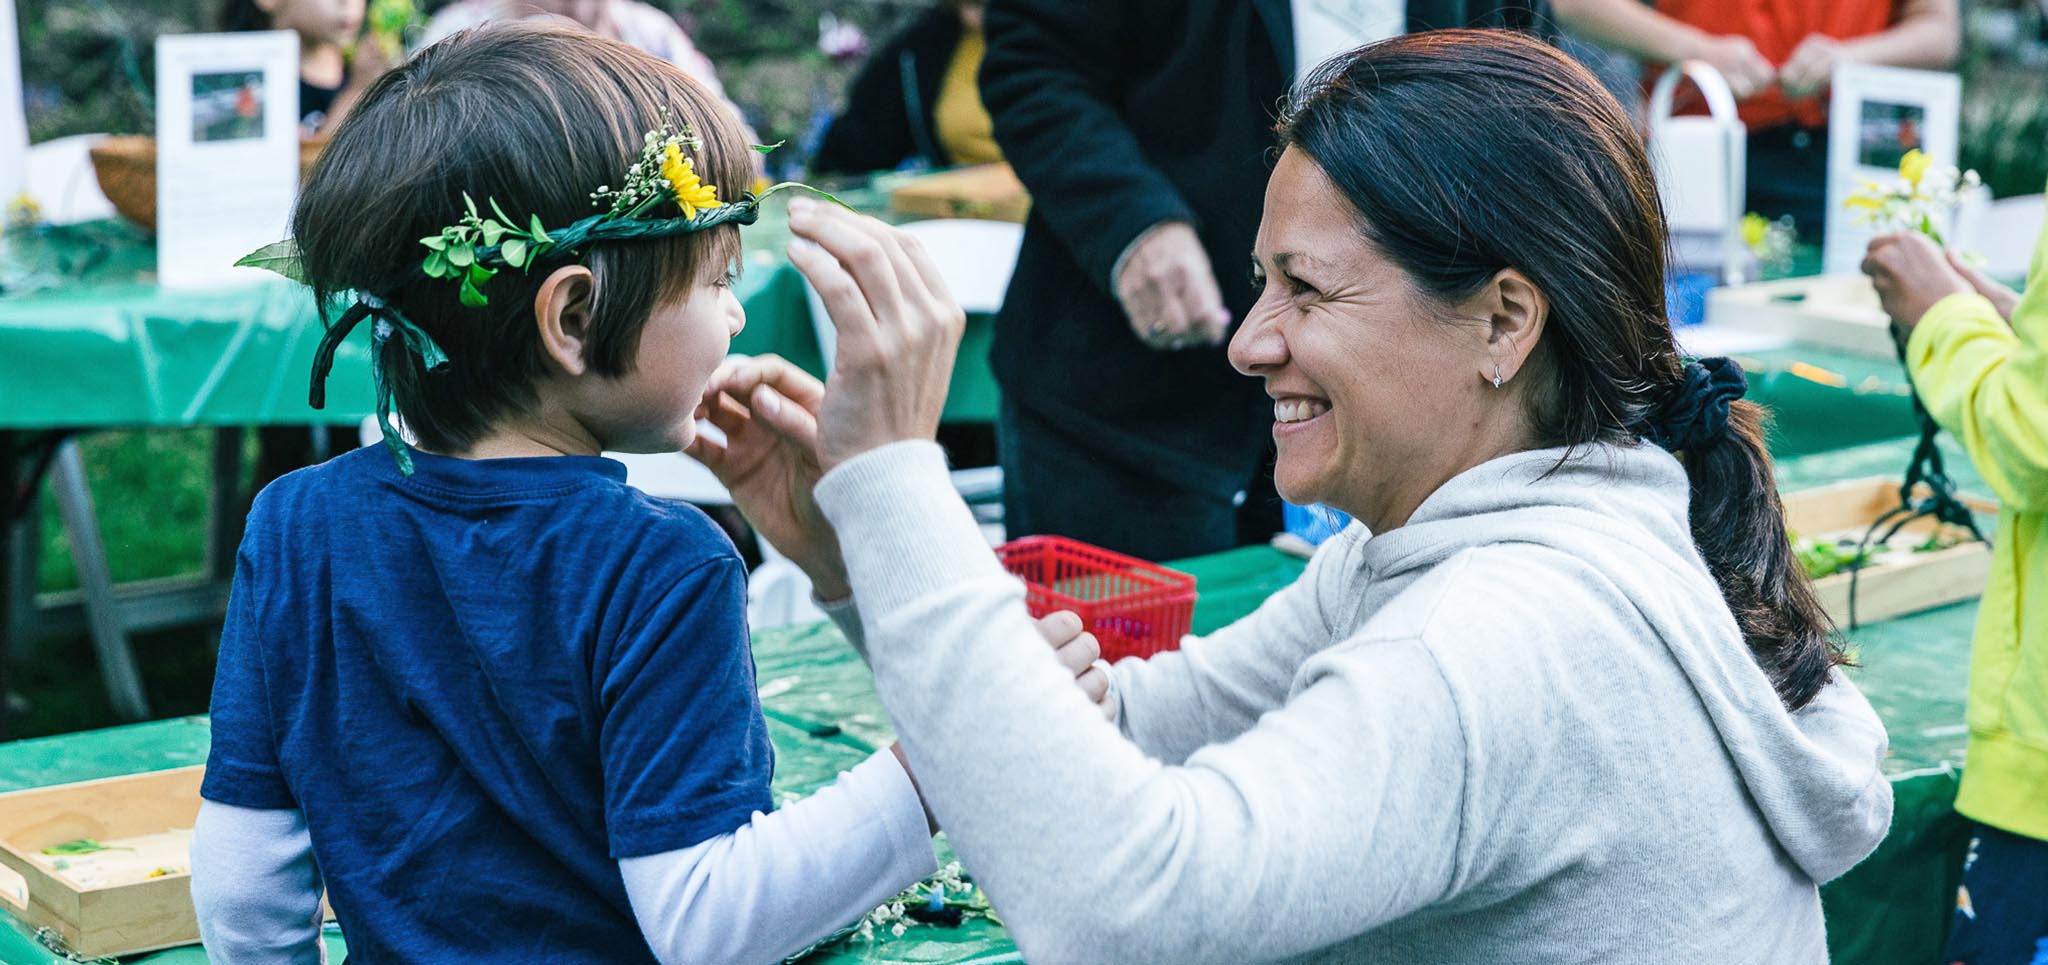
x=536, y=117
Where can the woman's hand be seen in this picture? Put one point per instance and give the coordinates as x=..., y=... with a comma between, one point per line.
x=1910, y=274
x=899, y=329
x=768, y=410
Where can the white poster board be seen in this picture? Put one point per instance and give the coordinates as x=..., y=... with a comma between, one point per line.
x=227, y=151
x=13, y=117
x=1876, y=115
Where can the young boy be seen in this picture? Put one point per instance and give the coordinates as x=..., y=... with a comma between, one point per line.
x=498, y=704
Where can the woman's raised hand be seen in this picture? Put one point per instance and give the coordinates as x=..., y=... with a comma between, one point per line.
x=899, y=329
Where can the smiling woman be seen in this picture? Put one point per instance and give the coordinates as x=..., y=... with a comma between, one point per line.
x=1555, y=698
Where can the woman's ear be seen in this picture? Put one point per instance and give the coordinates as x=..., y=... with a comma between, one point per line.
x=562, y=311
x=1514, y=311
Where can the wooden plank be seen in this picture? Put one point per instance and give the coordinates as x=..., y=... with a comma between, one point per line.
x=1897, y=583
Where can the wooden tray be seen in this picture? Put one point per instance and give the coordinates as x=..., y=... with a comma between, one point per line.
x=1894, y=583
x=1837, y=311
x=116, y=917
x=989, y=191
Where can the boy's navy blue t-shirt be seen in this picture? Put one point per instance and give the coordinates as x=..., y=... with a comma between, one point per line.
x=483, y=684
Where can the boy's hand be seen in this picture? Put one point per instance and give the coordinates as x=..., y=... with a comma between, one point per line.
x=768, y=410
x=899, y=329
x=1079, y=652
x=1910, y=274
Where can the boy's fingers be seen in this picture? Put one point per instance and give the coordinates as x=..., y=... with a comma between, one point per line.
x=1058, y=628
x=792, y=383
x=1094, y=683
x=710, y=453
x=1078, y=654
x=727, y=414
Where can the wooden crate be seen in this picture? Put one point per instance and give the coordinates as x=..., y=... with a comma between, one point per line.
x=1837, y=311
x=116, y=918
x=988, y=191
x=1895, y=583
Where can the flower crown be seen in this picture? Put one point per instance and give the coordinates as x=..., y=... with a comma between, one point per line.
x=473, y=250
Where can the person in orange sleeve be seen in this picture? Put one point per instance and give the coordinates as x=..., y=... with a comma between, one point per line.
x=1778, y=57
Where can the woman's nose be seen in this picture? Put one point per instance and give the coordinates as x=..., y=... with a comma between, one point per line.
x=1258, y=347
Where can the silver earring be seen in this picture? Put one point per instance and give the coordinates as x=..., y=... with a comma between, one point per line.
x=1496, y=375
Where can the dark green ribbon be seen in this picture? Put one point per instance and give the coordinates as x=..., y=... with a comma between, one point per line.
x=389, y=321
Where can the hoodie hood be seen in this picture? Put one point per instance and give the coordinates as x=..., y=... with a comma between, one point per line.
x=1815, y=774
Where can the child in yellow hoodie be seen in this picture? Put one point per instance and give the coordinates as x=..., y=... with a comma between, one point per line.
x=1978, y=353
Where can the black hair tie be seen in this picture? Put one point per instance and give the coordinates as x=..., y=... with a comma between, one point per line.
x=1695, y=413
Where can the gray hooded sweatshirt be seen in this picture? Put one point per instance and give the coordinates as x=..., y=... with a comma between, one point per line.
x=1523, y=727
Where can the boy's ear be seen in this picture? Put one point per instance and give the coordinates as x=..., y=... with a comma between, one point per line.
x=562, y=310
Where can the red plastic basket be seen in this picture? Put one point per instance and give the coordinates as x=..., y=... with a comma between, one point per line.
x=1134, y=608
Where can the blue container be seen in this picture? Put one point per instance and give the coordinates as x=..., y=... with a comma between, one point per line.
x=1313, y=523
x=1685, y=296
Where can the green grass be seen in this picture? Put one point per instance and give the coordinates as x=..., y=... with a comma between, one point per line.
x=151, y=492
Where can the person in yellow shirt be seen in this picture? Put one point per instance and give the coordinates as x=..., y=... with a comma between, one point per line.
x=1978, y=354
x=916, y=99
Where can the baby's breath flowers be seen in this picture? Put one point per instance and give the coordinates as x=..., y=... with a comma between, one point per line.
x=1924, y=194
x=663, y=172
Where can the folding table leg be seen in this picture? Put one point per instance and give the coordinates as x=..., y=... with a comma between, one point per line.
x=110, y=642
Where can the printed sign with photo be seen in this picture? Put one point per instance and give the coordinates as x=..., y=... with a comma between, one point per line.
x=1876, y=115
x=227, y=120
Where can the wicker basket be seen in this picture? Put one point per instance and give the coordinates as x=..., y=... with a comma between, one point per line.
x=126, y=167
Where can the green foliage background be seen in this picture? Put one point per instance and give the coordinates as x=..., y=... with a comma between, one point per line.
x=88, y=65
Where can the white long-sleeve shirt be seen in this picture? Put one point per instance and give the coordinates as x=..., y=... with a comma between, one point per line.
x=757, y=894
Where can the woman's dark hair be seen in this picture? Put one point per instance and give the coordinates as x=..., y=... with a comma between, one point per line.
x=1467, y=152
x=534, y=116
x=240, y=15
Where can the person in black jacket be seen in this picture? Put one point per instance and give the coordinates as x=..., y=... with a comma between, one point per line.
x=1143, y=130
x=899, y=109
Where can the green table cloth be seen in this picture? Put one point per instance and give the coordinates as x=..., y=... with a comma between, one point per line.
x=88, y=339
x=823, y=718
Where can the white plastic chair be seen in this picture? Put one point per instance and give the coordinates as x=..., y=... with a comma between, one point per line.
x=974, y=257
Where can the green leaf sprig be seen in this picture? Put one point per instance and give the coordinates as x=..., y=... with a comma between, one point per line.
x=82, y=846
x=455, y=252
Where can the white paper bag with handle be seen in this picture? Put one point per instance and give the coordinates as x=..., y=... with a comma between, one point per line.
x=1699, y=161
